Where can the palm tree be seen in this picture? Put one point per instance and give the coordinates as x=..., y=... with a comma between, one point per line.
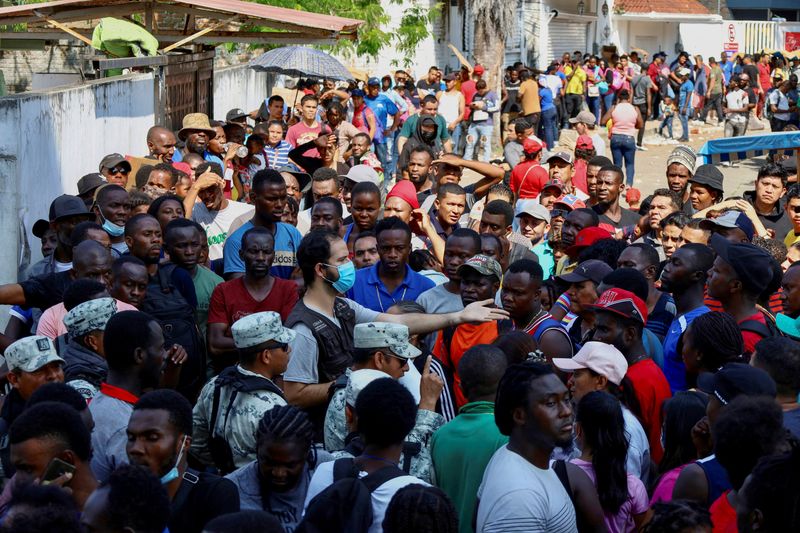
x=494, y=19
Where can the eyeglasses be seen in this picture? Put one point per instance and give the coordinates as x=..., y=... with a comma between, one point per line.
x=119, y=170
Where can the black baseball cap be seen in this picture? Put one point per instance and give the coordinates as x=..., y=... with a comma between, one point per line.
x=736, y=379
x=112, y=160
x=67, y=205
x=235, y=113
x=593, y=269
x=753, y=265
x=40, y=227
x=89, y=183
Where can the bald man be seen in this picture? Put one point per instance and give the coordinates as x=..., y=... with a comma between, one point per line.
x=91, y=260
x=161, y=143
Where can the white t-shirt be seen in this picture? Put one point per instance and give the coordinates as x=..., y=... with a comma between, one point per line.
x=323, y=478
x=218, y=223
x=517, y=496
x=781, y=102
x=736, y=100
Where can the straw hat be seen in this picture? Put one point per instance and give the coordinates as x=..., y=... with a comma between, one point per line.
x=196, y=122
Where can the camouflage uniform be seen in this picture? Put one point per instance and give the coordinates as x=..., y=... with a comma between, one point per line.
x=84, y=369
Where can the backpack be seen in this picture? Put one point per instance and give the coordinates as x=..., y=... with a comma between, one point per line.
x=346, y=505
x=770, y=329
x=166, y=304
x=767, y=110
x=238, y=382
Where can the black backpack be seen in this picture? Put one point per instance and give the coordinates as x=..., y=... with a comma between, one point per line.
x=165, y=303
x=346, y=505
x=770, y=329
x=237, y=382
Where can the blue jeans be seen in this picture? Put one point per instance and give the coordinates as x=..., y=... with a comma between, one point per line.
x=549, y=126
x=608, y=101
x=455, y=137
x=684, y=125
x=483, y=133
x=594, y=106
x=391, y=163
x=382, y=153
x=666, y=123
x=624, y=147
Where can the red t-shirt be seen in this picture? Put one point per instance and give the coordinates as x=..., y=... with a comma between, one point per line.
x=751, y=338
x=231, y=301
x=764, y=77
x=528, y=178
x=465, y=337
x=723, y=515
x=468, y=90
x=579, y=176
x=651, y=389
x=301, y=134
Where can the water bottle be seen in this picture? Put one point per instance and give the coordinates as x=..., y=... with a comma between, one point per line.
x=241, y=152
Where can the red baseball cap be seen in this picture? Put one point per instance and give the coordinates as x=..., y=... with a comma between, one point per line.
x=587, y=237
x=623, y=303
x=584, y=142
x=479, y=70
x=570, y=201
x=556, y=183
x=633, y=195
x=529, y=146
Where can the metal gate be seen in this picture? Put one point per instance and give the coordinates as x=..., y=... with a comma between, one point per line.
x=565, y=37
x=188, y=87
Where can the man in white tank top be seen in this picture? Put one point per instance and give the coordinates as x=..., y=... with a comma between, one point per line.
x=451, y=107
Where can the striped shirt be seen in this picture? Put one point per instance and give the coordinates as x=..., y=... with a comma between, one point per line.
x=278, y=156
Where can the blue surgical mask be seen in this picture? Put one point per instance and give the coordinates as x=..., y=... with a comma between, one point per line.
x=347, y=277
x=111, y=228
x=173, y=472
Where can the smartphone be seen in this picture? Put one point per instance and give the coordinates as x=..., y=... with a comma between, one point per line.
x=56, y=469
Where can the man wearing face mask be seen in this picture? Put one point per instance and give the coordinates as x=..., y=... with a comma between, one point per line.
x=159, y=435
x=112, y=206
x=324, y=322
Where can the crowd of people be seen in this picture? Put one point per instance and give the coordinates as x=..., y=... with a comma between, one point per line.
x=335, y=323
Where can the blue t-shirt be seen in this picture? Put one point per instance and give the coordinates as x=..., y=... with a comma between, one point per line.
x=177, y=157
x=727, y=70
x=287, y=240
x=382, y=106
x=674, y=369
x=370, y=291
x=546, y=98
x=685, y=92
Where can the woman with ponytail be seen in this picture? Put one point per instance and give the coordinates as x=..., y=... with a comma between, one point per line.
x=601, y=437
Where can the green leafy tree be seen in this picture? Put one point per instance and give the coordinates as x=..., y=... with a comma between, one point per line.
x=373, y=35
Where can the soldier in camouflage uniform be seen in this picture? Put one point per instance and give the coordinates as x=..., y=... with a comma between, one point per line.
x=231, y=405
x=382, y=350
x=86, y=367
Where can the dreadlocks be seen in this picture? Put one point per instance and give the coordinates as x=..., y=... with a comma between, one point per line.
x=285, y=422
x=512, y=392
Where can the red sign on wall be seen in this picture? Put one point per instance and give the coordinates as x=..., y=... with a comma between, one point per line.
x=792, y=41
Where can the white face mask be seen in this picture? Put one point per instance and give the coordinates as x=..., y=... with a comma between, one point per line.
x=173, y=472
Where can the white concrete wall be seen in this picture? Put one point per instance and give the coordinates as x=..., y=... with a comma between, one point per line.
x=53, y=138
x=239, y=86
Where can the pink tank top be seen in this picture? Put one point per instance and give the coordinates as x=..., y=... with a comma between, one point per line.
x=624, y=120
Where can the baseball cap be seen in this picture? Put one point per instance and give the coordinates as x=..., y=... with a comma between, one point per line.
x=587, y=237
x=633, y=195
x=556, y=183
x=484, y=265
x=684, y=72
x=90, y=316
x=449, y=77
x=587, y=117
x=358, y=381
x=753, y=265
x=67, y=205
x=29, y=354
x=40, y=227
x=660, y=54
x=90, y=182
x=529, y=146
x=303, y=178
x=362, y=173
x=736, y=379
x=593, y=269
x=534, y=209
x=385, y=335
x=584, y=142
x=479, y=70
x=623, y=303
x=564, y=156
x=112, y=160
x=730, y=219
x=600, y=358
x=235, y=113
x=708, y=175
x=358, y=92
x=373, y=81
x=259, y=328
x=570, y=202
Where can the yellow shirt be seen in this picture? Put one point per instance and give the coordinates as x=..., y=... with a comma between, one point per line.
x=576, y=83
x=529, y=96
x=791, y=238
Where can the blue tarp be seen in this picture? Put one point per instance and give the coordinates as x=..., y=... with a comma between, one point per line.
x=735, y=148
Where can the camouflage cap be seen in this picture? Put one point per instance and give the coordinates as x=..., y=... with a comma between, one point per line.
x=385, y=335
x=259, y=328
x=484, y=265
x=29, y=354
x=90, y=316
x=359, y=379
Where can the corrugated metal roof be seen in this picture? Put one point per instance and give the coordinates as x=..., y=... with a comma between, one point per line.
x=688, y=7
x=279, y=15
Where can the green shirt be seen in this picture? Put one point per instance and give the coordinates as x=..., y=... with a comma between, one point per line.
x=410, y=126
x=716, y=75
x=204, y=283
x=461, y=449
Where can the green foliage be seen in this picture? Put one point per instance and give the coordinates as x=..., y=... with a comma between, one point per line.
x=372, y=35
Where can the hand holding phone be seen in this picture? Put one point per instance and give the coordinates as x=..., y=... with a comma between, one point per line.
x=56, y=469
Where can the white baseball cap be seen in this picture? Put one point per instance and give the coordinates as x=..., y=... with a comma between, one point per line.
x=599, y=357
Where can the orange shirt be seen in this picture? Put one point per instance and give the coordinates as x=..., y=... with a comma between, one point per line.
x=464, y=337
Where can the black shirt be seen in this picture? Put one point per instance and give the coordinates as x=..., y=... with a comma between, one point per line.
x=201, y=498
x=752, y=71
x=628, y=218
x=46, y=291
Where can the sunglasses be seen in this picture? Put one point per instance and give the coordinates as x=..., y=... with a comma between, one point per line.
x=119, y=170
x=795, y=209
x=558, y=213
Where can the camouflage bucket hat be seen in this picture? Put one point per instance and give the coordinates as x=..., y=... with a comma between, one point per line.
x=31, y=353
x=259, y=328
x=385, y=335
x=90, y=316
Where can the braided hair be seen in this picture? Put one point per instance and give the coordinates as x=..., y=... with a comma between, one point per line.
x=717, y=338
x=420, y=509
x=285, y=422
x=512, y=392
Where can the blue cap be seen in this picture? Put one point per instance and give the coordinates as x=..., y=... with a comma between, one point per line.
x=358, y=92
x=373, y=81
